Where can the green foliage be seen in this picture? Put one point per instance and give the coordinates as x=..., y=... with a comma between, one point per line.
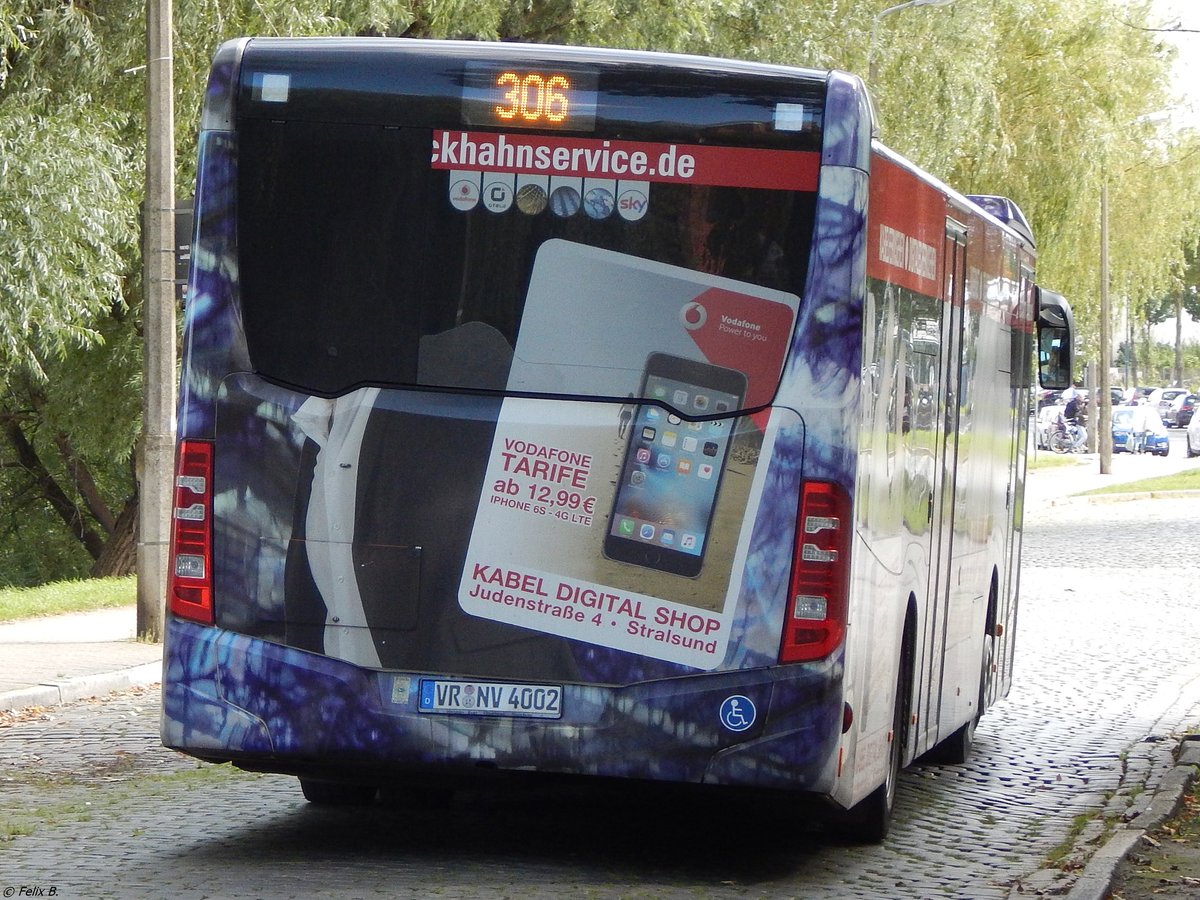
x=1188, y=480
x=1185, y=292
x=34, y=548
x=70, y=180
x=1022, y=98
x=67, y=229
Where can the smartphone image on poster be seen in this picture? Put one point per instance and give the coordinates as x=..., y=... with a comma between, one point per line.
x=671, y=473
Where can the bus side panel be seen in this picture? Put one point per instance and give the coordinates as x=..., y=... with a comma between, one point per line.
x=900, y=465
x=823, y=385
x=936, y=506
x=1021, y=333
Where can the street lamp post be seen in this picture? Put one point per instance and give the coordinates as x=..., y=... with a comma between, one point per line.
x=871, y=66
x=1103, y=399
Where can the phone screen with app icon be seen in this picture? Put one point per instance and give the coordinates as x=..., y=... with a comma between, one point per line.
x=673, y=464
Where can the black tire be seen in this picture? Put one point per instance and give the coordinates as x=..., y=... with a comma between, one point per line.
x=871, y=819
x=337, y=793
x=956, y=749
x=1059, y=443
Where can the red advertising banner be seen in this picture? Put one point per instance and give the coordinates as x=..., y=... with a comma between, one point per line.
x=906, y=228
x=783, y=170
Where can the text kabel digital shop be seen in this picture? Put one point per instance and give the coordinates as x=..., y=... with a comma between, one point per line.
x=533, y=587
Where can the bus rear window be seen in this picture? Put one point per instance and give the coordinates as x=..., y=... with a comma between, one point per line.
x=364, y=264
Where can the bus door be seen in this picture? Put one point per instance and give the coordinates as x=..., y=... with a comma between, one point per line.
x=945, y=465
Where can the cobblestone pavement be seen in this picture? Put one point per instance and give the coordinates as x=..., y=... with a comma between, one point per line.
x=1107, y=671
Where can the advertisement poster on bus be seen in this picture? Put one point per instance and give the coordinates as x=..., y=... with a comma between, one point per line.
x=619, y=524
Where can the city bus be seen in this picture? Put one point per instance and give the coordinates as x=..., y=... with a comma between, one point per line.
x=609, y=414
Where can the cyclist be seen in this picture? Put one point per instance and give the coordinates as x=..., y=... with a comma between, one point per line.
x=1072, y=409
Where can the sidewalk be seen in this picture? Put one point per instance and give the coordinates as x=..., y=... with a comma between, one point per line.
x=57, y=659
x=1055, y=485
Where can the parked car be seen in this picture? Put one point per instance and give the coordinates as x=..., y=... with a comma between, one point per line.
x=1181, y=411
x=1047, y=398
x=1193, y=437
x=1161, y=399
x=1128, y=422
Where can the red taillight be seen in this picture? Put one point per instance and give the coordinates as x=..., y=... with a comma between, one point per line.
x=815, y=623
x=191, y=533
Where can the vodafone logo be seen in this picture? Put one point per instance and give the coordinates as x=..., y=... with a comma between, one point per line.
x=693, y=316
x=464, y=194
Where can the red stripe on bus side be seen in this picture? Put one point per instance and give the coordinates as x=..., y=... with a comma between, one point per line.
x=903, y=204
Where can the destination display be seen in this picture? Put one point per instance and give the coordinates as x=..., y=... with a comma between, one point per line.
x=521, y=97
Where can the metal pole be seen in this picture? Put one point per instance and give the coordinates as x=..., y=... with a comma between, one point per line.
x=1102, y=400
x=156, y=449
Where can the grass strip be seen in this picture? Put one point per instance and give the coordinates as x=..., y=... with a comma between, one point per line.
x=67, y=596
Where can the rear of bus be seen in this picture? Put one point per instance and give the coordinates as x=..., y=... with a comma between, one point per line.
x=509, y=373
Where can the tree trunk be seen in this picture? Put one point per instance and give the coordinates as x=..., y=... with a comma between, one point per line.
x=86, y=485
x=120, y=552
x=1133, y=366
x=1179, y=339
x=29, y=460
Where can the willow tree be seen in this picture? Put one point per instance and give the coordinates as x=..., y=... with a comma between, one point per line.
x=68, y=226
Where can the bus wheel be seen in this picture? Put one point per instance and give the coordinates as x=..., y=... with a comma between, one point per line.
x=956, y=749
x=337, y=793
x=869, y=821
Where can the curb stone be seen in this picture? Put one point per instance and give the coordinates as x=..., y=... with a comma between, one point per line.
x=1120, y=498
x=56, y=693
x=1098, y=875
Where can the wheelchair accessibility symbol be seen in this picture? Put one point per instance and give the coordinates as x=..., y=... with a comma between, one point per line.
x=738, y=713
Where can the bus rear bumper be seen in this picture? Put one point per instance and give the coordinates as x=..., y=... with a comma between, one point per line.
x=265, y=706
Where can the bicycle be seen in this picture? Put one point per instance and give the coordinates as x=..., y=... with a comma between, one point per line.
x=1068, y=437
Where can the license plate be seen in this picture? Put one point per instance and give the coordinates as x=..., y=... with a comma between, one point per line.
x=490, y=698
